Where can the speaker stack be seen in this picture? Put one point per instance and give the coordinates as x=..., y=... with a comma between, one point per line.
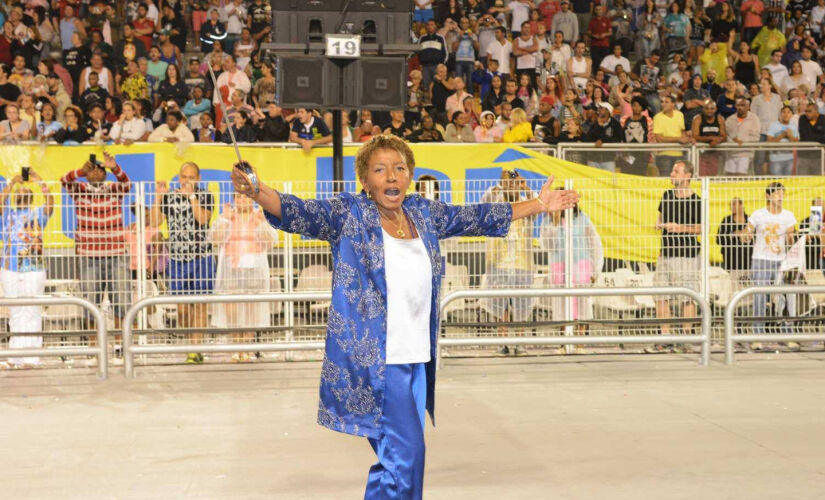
x=307, y=78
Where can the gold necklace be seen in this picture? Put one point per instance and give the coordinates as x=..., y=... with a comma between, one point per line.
x=399, y=232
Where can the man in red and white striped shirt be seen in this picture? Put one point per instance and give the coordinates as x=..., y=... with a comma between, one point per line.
x=100, y=236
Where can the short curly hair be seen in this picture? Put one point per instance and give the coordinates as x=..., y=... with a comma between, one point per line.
x=379, y=142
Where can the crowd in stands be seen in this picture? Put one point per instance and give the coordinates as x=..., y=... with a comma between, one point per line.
x=486, y=71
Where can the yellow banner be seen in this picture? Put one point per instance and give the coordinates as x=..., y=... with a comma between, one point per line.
x=622, y=207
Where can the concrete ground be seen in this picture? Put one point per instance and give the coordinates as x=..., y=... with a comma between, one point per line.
x=575, y=427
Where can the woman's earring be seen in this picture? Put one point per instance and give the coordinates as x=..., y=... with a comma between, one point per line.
x=369, y=195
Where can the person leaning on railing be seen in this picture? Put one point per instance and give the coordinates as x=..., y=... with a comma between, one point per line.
x=23, y=271
x=378, y=373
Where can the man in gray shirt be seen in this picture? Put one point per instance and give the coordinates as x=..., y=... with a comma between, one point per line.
x=566, y=22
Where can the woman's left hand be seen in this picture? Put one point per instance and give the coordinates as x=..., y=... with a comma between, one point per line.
x=556, y=199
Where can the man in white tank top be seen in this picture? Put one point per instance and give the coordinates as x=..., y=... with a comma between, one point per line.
x=525, y=48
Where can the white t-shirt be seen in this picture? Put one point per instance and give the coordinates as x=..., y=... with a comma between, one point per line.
x=526, y=61
x=409, y=275
x=500, y=53
x=611, y=61
x=520, y=12
x=812, y=70
x=770, y=237
x=778, y=72
x=235, y=14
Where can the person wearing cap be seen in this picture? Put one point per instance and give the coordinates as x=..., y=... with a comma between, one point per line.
x=566, y=22
x=545, y=126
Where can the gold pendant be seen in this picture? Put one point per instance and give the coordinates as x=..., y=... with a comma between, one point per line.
x=400, y=233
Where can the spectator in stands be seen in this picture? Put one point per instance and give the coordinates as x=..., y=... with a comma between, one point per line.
x=500, y=49
x=782, y=130
x=264, y=90
x=455, y=101
x=48, y=125
x=519, y=128
x=599, y=30
x=525, y=48
x=238, y=100
x=397, y=126
x=73, y=131
x=772, y=231
x=458, y=130
x=605, y=130
x=23, y=272
x=174, y=130
x=13, y=128
x=709, y=128
x=241, y=128
x=727, y=101
x=694, y=98
x=811, y=129
x=741, y=127
x=195, y=106
x=680, y=219
x=579, y=67
x=487, y=131
x=93, y=92
x=212, y=31
x=206, y=132
x=428, y=132
x=810, y=68
x=275, y=127
x=309, y=130
x=546, y=127
x=187, y=211
x=99, y=235
x=128, y=48
x=746, y=65
x=432, y=52
x=144, y=27
x=795, y=80
x=566, y=22
x=243, y=237
x=669, y=126
x=736, y=248
x=129, y=127
x=172, y=88
x=778, y=70
x=234, y=12
x=766, y=106
x=648, y=71
x=230, y=80
x=493, y=99
x=611, y=62
x=441, y=88
x=55, y=93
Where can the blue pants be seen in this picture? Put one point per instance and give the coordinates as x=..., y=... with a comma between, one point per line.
x=764, y=273
x=399, y=472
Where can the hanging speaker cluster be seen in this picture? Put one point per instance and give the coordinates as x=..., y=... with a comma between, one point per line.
x=376, y=83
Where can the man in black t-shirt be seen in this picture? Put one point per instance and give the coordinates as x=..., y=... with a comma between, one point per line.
x=680, y=219
x=191, y=268
x=260, y=20
x=397, y=126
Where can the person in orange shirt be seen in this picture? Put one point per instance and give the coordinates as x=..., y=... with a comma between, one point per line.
x=752, y=19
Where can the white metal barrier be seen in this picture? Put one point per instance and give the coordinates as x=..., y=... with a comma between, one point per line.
x=99, y=350
x=129, y=349
x=567, y=339
x=730, y=313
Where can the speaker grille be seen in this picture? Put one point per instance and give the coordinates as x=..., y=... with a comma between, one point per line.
x=383, y=83
x=304, y=82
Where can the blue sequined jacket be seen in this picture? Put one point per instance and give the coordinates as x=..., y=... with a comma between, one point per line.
x=352, y=376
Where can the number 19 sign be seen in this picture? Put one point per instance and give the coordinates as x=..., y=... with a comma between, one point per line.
x=343, y=46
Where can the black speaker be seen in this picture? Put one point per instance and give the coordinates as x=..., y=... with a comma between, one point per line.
x=376, y=83
x=384, y=23
x=306, y=82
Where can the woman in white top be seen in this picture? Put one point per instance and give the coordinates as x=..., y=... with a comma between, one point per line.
x=795, y=80
x=244, y=49
x=766, y=106
x=378, y=375
x=244, y=239
x=129, y=128
x=13, y=128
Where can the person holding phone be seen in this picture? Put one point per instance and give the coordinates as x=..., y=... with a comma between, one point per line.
x=100, y=236
x=22, y=270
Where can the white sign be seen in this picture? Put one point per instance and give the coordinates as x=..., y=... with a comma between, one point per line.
x=343, y=46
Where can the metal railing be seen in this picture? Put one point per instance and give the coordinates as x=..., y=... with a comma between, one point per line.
x=730, y=312
x=568, y=339
x=129, y=350
x=99, y=350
